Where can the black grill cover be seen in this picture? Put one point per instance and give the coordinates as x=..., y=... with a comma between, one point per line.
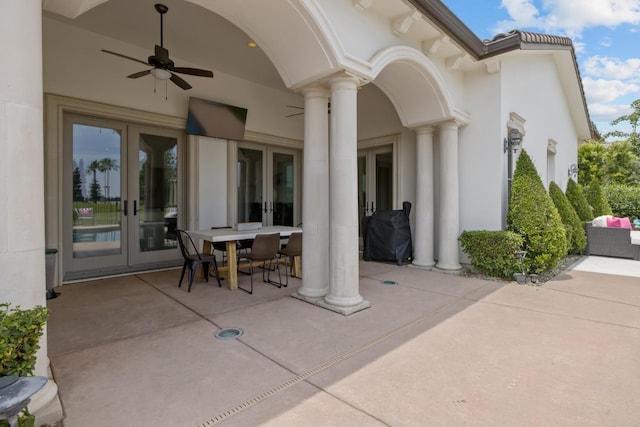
x=387, y=235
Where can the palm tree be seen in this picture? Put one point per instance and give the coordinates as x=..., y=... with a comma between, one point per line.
x=93, y=168
x=106, y=165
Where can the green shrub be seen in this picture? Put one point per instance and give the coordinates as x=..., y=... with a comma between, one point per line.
x=20, y=331
x=492, y=252
x=624, y=200
x=533, y=215
x=597, y=199
x=576, y=234
x=578, y=200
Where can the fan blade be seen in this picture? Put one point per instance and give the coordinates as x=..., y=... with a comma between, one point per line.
x=295, y=106
x=124, y=56
x=293, y=115
x=192, y=71
x=139, y=74
x=180, y=82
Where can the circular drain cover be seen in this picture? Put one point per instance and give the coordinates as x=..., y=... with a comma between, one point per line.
x=229, y=333
x=389, y=282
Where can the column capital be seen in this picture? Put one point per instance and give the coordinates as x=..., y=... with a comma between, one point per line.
x=450, y=124
x=344, y=80
x=424, y=130
x=315, y=90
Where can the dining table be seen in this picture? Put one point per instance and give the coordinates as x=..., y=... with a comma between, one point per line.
x=231, y=236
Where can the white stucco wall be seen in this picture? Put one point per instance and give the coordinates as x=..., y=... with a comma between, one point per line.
x=533, y=90
x=212, y=182
x=482, y=159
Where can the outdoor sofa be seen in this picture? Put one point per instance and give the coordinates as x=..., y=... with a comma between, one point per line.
x=612, y=241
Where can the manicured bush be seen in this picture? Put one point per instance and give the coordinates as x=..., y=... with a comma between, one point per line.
x=578, y=200
x=624, y=200
x=492, y=252
x=598, y=200
x=533, y=215
x=20, y=332
x=576, y=234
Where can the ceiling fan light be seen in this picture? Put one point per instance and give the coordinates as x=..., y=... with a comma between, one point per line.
x=161, y=74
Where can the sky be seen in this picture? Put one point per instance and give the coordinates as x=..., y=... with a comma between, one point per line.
x=605, y=34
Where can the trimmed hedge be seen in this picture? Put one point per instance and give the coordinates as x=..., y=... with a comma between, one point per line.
x=598, y=200
x=492, y=252
x=624, y=200
x=576, y=197
x=533, y=215
x=576, y=234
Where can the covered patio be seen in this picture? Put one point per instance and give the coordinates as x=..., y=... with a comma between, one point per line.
x=434, y=348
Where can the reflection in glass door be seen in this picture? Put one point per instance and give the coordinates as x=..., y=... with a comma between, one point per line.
x=375, y=181
x=266, y=194
x=94, y=219
x=154, y=216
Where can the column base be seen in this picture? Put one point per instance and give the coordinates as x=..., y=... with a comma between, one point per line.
x=46, y=406
x=345, y=311
x=449, y=268
x=427, y=266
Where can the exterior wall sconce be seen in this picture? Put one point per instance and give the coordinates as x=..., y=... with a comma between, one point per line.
x=573, y=171
x=513, y=141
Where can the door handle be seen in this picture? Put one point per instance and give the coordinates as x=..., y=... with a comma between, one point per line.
x=135, y=207
x=371, y=207
x=126, y=208
x=265, y=207
x=271, y=204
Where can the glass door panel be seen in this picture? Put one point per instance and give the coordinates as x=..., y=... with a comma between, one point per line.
x=362, y=190
x=96, y=233
x=250, y=185
x=375, y=181
x=282, y=166
x=154, y=205
x=384, y=181
x=267, y=185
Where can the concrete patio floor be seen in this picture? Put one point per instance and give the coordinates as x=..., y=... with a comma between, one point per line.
x=434, y=349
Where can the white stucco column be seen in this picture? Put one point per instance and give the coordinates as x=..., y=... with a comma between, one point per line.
x=344, y=285
x=315, y=195
x=449, y=209
x=22, y=244
x=424, y=211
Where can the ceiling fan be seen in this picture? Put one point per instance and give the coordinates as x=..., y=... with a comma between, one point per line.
x=163, y=67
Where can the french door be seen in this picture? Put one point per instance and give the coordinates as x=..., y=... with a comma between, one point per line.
x=267, y=185
x=121, y=193
x=375, y=181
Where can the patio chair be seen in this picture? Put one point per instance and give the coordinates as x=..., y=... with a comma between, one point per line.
x=193, y=258
x=243, y=245
x=289, y=252
x=265, y=248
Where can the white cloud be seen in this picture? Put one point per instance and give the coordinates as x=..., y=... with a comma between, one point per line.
x=607, y=112
x=602, y=90
x=613, y=68
x=567, y=17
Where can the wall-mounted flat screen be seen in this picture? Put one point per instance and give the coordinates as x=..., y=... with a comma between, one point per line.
x=210, y=118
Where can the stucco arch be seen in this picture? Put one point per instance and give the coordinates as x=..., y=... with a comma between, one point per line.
x=294, y=35
x=414, y=86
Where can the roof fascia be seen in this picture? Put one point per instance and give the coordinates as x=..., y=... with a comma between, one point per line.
x=451, y=25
